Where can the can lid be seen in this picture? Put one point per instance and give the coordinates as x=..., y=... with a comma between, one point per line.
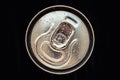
x=59, y=39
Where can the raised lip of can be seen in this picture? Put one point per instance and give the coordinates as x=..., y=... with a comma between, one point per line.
x=85, y=59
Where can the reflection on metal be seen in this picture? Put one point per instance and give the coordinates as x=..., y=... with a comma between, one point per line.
x=59, y=39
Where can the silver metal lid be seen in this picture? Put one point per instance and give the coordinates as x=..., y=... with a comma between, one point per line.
x=59, y=39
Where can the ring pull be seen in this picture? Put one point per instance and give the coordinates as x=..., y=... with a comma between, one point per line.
x=62, y=36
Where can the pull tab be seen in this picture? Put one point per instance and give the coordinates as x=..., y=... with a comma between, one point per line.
x=72, y=21
x=63, y=33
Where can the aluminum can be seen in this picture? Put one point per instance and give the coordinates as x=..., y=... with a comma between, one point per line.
x=59, y=39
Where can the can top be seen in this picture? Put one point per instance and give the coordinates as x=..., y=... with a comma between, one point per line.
x=59, y=39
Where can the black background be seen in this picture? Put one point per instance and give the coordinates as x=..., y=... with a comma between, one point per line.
x=19, y=15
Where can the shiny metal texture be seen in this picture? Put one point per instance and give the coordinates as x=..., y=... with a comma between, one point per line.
x=59, y=39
